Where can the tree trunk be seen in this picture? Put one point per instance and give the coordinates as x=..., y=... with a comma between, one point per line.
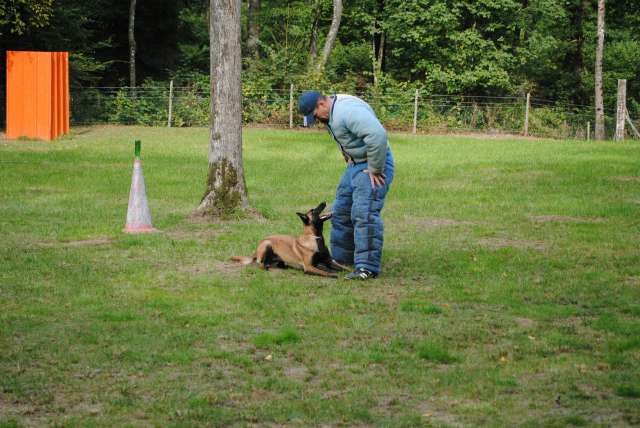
x=132, y=44
x=331, y=36
x=226, y=190
x=381, y=50
x=313, y=42
x=313, y=45
x=377, y=41
x=378, y=57
x=254, y=27
x=599, y=54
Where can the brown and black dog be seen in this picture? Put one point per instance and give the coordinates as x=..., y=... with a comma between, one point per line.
x=307, y=251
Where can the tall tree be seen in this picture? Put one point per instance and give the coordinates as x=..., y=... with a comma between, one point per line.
x=132, y=43
x=226, y=189
x=599, y=54
x=378, y=41
x=254, y=27
x=331, y=36
x=313, y=39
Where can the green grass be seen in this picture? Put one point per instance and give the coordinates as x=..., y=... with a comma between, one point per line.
x=509, y=294
x=287, y=335
x=420, y=307
x=630, y=391
x=436, y=353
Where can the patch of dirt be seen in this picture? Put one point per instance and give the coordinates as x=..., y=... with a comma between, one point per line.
x=433, y=222
x=588, y=391
x=249, y=215
x=88, y=409
x=565, y=219
x=436, y=417
x=633, y=280
x=626, y=178
x=388, y=295
x=390, y=403
x=387, y=401
x=80, y=243
x=44, y=189
x=520, y=244
x=490, y=134
x=573, y=323
x=198, y=234
x=226, y=266
x=442, y=222
x=211, y=267
x=531, y=174
x=300, y=374
x=525, y=322
x=26, y=413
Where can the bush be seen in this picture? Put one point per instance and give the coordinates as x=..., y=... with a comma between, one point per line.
x=264, y=101
x=146, y=105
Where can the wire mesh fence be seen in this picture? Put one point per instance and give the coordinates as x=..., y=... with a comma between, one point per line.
x=401, y=110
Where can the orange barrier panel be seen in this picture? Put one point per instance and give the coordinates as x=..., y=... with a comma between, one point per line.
x=37, y=94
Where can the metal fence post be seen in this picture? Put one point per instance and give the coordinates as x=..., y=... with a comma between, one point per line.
x=291, y=106
x=526, y=114
x=588, y=131
x=415, y=113
x=621, y=108
x=170, y=103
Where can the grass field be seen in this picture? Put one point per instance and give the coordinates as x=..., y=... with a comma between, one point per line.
x=510, y=294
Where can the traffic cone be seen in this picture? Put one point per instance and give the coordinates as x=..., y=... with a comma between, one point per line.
x=138, y=214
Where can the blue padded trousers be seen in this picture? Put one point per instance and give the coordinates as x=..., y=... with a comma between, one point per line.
x=357, y=230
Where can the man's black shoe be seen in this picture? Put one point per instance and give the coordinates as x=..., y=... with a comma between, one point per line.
x=361, y=274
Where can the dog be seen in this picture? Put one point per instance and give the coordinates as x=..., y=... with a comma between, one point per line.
x=307, y=251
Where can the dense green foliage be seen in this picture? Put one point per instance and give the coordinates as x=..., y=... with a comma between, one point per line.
x=395, y=108
x=462, y=47
x=16, y=16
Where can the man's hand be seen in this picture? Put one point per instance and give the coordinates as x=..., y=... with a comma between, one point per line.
x=376, y=178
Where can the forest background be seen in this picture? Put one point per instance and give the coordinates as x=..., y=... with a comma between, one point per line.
x=474, y=51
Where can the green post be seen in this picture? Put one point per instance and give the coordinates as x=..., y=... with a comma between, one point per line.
x=137, y=149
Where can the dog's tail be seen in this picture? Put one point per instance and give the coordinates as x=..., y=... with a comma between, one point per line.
x=243, y=259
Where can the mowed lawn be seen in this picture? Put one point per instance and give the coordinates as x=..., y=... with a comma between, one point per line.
x=510, y=294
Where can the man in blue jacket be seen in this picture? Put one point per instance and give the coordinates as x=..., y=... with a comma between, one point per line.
x=357, y=228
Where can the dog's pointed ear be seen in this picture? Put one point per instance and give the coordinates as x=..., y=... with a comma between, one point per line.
x=304, y=218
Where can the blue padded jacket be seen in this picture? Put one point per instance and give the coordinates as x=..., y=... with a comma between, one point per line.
x=358, y=132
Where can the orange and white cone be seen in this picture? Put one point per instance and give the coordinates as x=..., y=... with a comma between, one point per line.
x=138, y=214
